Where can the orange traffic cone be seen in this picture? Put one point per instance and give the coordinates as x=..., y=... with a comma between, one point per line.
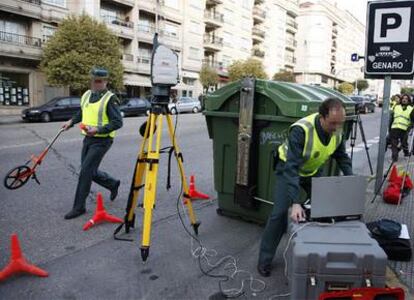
x=193, y=193
x=18, y=263
x=101, y=215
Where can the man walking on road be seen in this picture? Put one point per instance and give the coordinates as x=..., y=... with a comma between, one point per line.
x=101, y=116
x=311, y=142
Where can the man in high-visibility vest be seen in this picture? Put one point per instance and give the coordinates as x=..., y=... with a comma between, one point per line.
x=310, y=143
x=101, y=117
x=402, y=118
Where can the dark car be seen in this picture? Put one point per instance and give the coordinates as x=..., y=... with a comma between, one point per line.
x=135, y=107
x=59, y=108
x=363, y=104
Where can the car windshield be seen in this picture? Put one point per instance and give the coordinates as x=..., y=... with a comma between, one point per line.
x=357, y=99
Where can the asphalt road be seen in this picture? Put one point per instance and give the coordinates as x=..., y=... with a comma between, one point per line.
x=91, y=265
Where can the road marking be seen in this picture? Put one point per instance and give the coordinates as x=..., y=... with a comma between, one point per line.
x=71, y=140
x=361, y=146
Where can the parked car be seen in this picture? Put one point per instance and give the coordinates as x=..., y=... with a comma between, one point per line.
x=185, y=104
x=363, y=104
x=59, y=108
x=135, y=107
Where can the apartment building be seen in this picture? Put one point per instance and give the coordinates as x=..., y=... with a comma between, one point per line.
x=24, y=28
x=213, y=32
x=327, y=37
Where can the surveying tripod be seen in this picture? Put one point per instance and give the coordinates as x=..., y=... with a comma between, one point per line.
x=357, y=123
x=146, y=172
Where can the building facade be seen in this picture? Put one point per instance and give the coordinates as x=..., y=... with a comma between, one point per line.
x=327, y=37
x=212, y=32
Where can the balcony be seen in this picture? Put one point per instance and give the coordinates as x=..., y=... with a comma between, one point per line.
x=144, y=64
x=124, y=3
x=146, y=32
x=170, y=39
x=334, y=31
x=28, y=8
x=259, y=15
x=333, y=58
x=218, y=66
x=334, y=44
x=258, y=32
x=213, y=43
x=290, y=61
x=291, y=26
x=121, y=28
x=128, y=63
x=291, y=44
x=258, y=2
x=213, y=20
x=258, y=53
x=21, y=46
x=211, y=3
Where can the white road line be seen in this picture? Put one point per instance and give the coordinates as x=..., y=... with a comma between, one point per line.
x=71, y=140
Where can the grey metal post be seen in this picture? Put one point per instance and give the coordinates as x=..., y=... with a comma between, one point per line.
x=383, y=131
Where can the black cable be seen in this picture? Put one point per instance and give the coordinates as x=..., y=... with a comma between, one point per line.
x=224, y=278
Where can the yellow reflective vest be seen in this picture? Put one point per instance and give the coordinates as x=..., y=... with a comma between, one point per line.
x=315, y=153
x=402, y=118
x=94, y=114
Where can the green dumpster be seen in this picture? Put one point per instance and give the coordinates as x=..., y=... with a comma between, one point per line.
x=247, y=120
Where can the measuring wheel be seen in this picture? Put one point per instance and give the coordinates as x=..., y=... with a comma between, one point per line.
x=17, y=177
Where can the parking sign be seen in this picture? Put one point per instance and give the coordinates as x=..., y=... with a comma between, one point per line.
x=390, y=39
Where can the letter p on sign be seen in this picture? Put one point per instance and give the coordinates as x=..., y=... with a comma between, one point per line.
x=392, y=25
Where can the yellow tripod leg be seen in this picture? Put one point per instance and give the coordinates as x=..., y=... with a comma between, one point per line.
x=139, y=173
x=186, y=196
x=150, y=188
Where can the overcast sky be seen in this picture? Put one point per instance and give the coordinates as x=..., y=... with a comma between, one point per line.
x=357, y=7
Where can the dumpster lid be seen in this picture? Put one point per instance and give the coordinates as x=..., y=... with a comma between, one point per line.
x=292, y=99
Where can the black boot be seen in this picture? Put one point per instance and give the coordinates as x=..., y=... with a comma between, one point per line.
x=74, y=213
x=114, y=191
x=264, y=270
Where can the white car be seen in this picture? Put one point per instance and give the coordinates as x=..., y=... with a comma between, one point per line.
x=185, y=104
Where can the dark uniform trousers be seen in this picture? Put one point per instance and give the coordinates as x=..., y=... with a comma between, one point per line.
x=398, y=136
x=93, y=151
x=277, y=223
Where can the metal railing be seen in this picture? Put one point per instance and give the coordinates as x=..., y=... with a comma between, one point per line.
x=258, y=32
x=146, y=28
x=292, y=23
x=144, y=60
x=117, y=21
x=214, y=16
x=258, y=53
x=20, y=39
x=259, y=12
x=213, y=64
x=212, y=39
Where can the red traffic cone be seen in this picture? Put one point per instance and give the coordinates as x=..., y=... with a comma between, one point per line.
x=18, y=263
x=193, y=193
x=101, y=215
x=394, y=175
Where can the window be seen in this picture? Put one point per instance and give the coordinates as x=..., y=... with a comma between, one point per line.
x=245, y=44
x=172, y=3
x=228, y=39
x=184, y=94
x=228, y=16
x=194, y=53
x=195, y=27
x=48, y=31
x=63, y=102
x=61, y=3
x=171, y=30
x=75, y=101
x=190, y=93
x=247, y=4
x=13, y=27
x=188, y=81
